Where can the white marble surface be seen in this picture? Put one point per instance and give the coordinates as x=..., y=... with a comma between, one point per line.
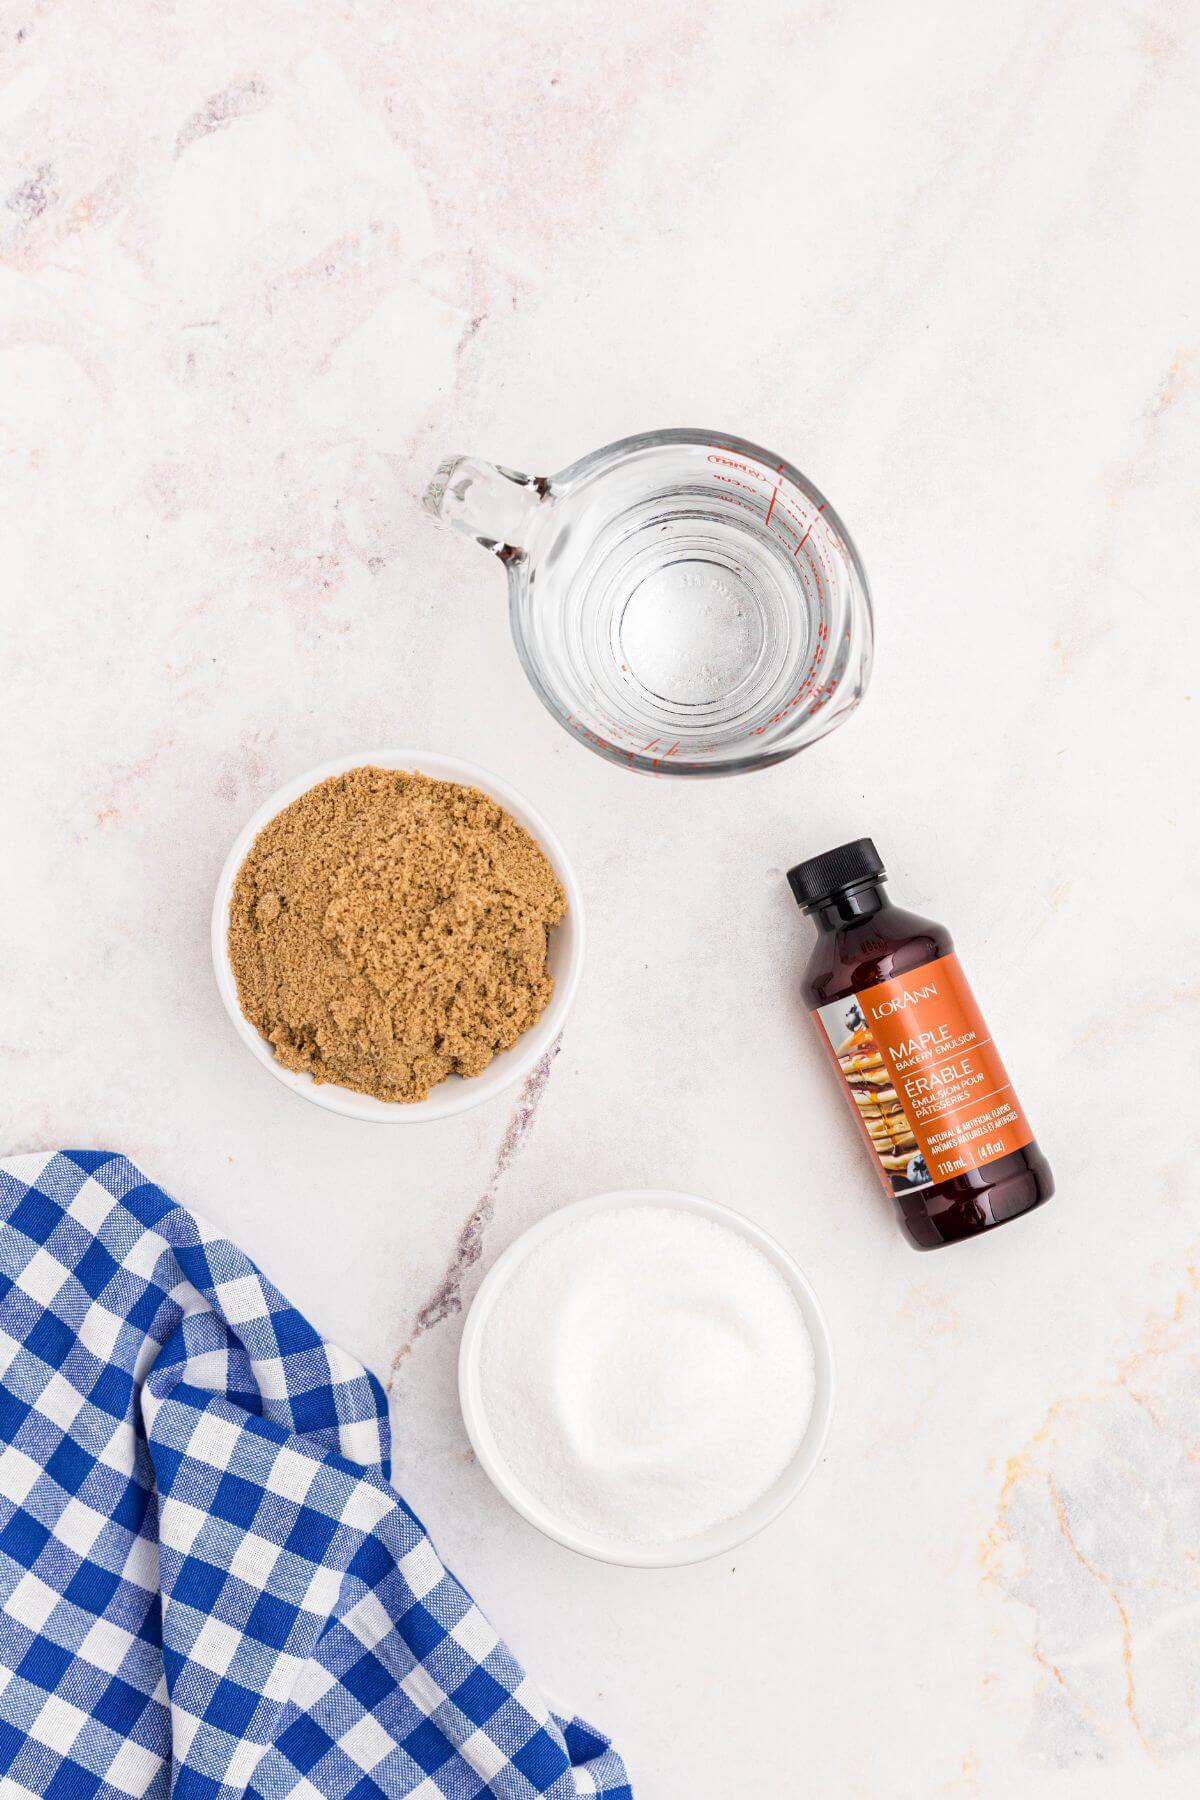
x=262, y=265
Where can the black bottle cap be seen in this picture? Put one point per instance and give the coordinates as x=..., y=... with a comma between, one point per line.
x=847, y=866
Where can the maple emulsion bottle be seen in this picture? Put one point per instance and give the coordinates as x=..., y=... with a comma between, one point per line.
x=919, y=1065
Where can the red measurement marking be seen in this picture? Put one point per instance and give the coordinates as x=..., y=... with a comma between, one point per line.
x=811, y=523
x=733, y=481
x=774, y=494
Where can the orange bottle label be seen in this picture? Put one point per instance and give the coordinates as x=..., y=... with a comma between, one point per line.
x=924, y=1076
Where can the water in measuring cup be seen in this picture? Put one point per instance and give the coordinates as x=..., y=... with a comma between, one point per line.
x=682, y=602
x=689, y=620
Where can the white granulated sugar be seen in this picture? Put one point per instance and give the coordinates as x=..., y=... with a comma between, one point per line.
x=647, y=1373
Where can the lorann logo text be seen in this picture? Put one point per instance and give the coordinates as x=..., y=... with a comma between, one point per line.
x=899, y=1001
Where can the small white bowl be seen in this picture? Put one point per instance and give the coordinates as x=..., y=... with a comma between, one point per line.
x=456, y=1093
x=730, y=1532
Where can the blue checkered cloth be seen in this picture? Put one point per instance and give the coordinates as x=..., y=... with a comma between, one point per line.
x=208, y=1585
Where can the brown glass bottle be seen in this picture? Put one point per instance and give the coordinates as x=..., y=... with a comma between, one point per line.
x=914, y=1056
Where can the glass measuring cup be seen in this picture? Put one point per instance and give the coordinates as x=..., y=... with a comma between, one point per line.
x=683, y=602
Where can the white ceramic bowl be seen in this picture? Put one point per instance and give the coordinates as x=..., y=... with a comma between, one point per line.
x=731, y=1532
x=456, y=1093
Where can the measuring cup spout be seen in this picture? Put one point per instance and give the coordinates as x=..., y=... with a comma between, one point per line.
x=495, y=506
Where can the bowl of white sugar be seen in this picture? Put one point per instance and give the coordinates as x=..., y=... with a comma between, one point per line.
x=647, y=1377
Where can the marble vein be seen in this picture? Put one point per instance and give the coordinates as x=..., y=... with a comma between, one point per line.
x=446, y=1298
x=1097, y=1533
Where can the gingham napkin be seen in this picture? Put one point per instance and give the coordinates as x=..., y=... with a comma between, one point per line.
x=209, y=1587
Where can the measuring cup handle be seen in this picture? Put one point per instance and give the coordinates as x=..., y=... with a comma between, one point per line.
x=490, y=504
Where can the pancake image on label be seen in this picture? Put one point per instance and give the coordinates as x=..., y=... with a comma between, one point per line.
x=877, y=1101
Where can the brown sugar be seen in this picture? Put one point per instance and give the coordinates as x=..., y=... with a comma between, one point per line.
x=388, y=930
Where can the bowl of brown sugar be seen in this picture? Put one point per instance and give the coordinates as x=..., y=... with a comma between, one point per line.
x=397, y=935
